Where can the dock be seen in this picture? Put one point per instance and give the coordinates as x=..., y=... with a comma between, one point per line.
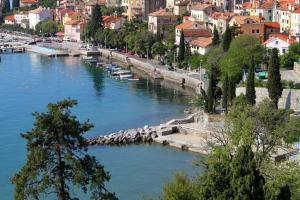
x=47, y=52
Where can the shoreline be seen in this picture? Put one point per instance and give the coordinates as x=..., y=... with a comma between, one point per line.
x=193, y=133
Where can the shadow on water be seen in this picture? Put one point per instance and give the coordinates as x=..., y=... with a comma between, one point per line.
x=97, y=76
x=157, y=90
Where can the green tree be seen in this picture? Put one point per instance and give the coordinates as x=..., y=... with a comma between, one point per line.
x=16, y=3
x=247, y=181
x=6, y=7
x=196, y=60
x=95, y=23
x=212, y=90
x=225, y=93
x=250, y=87
x=242, y=49
x=231, y=90
x=216, y=37
x=180, y=188
x=47, y=3
x=274, y=80
x=227, y=37
x=181, y=51
x=158, y=48
x=57, y=158
x=47, y=27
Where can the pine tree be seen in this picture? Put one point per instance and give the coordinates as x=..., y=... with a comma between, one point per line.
x=6, y=7
x=225, y=93
x=16, y=3
x=274, y=80
x=216, y=38
x=227, y=37
x=246, y=181
x=250, y=87
x=181, y=51
x=57, y=158
x=231, y=90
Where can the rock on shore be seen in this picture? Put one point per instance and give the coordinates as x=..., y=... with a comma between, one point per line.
x=133, y=136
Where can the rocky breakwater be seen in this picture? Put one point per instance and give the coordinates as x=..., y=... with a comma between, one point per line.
x=133, y=136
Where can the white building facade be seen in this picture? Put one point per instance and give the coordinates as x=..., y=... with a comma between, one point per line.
x=38, y=15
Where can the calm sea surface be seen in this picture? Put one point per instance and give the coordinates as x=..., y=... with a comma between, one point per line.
x=29, y=81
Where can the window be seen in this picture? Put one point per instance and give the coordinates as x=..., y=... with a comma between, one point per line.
x=283, y=50
x=253, y=30
x=282, y=20
x=270, y=18
x=269, y=11
x=276, y=42
x=248, y=22
x=287, y=21
x=257, y=30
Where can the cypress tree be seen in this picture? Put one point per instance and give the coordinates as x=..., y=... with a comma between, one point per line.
x=226, y=39
x=231, y=90
x=16, y=3
x=6, y=7
x=225, y=93
x=211, y=91
x=216, y=38
x=250, y=87
x=274, y=80
x=181, y=51
x=247, y=181
x=96, y=22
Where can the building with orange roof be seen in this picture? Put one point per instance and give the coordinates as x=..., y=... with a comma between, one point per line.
x=28, y=3
x=201, y=45
x=73, y=29
x=263, y=9
x=220, y=20
x=202, y=11
x=181, y=7
x=160, y=21
x=187, y=25
x=114, y=22
x=295, y=22
x=9, y=19
x=73, y=16
x=281, y=41
x=191, y=31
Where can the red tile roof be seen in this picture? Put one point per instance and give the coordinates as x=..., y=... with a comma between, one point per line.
x=202, y=42
x=196, y=33
x=72, y=22
x=186, y=24
x=281, y=36
x=161, y=13
x=29, y=1
x=10, y=18
x=247, y=5
x=200, y=6
x=272, y=24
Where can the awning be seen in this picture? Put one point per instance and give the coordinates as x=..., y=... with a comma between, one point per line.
x=59, y=34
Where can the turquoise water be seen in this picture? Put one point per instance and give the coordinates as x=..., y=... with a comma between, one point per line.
x=29, y=81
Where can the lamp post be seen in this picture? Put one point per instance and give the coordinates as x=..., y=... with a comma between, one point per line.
x=126, y=47
x=105, y=40
x=200, y=70
x=147, y=53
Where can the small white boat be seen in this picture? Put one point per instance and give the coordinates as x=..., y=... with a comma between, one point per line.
x=89, y=59
x=122, y=74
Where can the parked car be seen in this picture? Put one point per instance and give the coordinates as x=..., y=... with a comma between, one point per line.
x=47, y=40
x=123, y=50
x=131, y=52
x=67, y=38
x=170, y=68
x=142, y=56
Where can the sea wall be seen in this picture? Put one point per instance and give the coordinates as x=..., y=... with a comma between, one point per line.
x=290, y=97
x=153, y=71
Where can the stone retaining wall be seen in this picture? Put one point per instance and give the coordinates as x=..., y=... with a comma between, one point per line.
x=290, y=97
x=148, y=68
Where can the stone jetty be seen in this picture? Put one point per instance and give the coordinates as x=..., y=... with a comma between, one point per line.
x=134, y=136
